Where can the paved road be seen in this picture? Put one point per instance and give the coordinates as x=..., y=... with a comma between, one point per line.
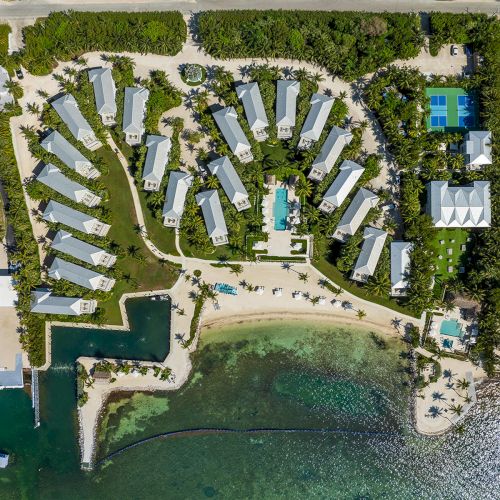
x=25, y=9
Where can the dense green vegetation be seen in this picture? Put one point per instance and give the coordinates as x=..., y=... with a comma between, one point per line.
x=349, y=44
x=67, y=35
x=4, y=42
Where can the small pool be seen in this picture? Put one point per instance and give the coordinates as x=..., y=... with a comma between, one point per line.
x=447, y=344
x=225, y=288
x=451, y=328
x=280, y=210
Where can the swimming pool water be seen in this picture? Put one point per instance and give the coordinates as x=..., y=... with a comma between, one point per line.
x=280, y=209
x=451, y=328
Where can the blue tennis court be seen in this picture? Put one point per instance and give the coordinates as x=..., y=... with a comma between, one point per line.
x=439, y=111
x=465, y=109
x=451, y=108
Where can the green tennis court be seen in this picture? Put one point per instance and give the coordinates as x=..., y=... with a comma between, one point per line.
x=452, y=109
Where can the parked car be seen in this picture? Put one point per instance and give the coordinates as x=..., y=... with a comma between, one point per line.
x=454, y=50
x=397, y=179
x=19, y=73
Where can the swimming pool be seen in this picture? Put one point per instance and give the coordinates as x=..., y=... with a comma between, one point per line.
x=280, y=209
x=450, y=327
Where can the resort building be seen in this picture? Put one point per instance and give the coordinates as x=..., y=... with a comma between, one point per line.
x=214, y=216
x=227, y=121
x=56, y=144
x=156, y=161
x=5, y=95
x=61, y=214
x=315, y=120
x=400, y=267
x=337, y=139
x=349, y=174
x=175, y=199
x=4, y=459
x=66, y=243
x=476, y=149
x=69, y=112
x=286, y=107
x=134, y=110
x=43, y=302
x=53, y=178
x=12, y=379
x=104, y=93
x=230, y=182
x=355, y=214
x=373, y=244
x=249, y=94
x=459, y=206
x=64, y=270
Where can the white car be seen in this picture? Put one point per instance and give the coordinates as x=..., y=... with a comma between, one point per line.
x=454, y=50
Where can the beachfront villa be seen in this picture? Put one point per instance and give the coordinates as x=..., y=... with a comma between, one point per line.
x=156, y=161
x=400, y=267
x=459, y=206
x=214, y=216
x=175, y=198
x=69, y=112
x=337, y=139
x=249, y=94
x=5, y=95
x=58, y=213
x=227, y=121
x=286, y=107
x=53, y=178
x=134, y=111
x=476, y=149
x=43, y=302
x=230, y=182
x=355, y=214
x=349, y=174
x=315, y=121
x=66, y=243
x=104, y=94
x=13, y=379
x=56, y=144
x=62, y=269
x=373, y=244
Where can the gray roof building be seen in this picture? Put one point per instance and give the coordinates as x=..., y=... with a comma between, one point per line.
x=214, y=216
x=104, y=93
x=5, y=95
x=337, y=139
x=373, y=244
x=476, y=148
x=52, y=177
x=459, y=206
x=173, y=208
x=56, y=144
x=249, y=94
x=355, y=214
x=227, y=121
x=134, y=110
x=400, y=266
x=4, y=458
x=62, y=269
x=315, y=120
x=58, y=213
x=66, y=243
x=156, y=161
x=286, y=106
x=43, y=302
x=230, y=182
x=13, y=379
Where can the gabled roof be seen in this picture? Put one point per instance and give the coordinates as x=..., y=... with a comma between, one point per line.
x=43, y=302
x=249, y=94
x=317, y=116
x=56, y=144
x=13, y=378
x=62, y=269
x=286, y=102
x=156, y=158
x=229, y=179
x=400, y=263
x=5, y=95
x=57, y=212
x=65, y=242
x=67, y=108
x=227, y=121
x=212, y=213
x=357, y=211
x=104, y=90
x=134, y=109
x=337, y=139
x=178, y=185
x=349, y=174
x=478, y=147
x=459, y=206
x=373, y=245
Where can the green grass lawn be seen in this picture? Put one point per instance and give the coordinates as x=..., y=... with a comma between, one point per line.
x=274, y=152
x=458, y=256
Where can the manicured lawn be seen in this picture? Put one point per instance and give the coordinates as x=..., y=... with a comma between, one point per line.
x=274, y=152
x=453, y=239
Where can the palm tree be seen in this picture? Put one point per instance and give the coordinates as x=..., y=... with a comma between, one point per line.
x=236, y=269
x=463, y=383
x=33, y=108
x=361, y=314
x=212, y=182
x=304, y=188
x=457, y=409
x=304, y=277
x=156, y=199
x=314, y=300
x=435, y=411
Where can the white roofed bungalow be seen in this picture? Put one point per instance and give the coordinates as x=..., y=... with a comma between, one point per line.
x=156, y=161
x=69, y=112
x=476, y=149
x=230, y=182
x=214, y=217
x=227, y=121
x=286, y=107
x=104, y=93
x=175, y=199
x=373, y=244
x=315, y=120
x=52, y=177
x=58, y=213
x=56, y=144
x=349, y=174
x=134, y=110
x=400, y=266
x=249, y=94
x=337, y=139
x=43, y=302
x=5, y=95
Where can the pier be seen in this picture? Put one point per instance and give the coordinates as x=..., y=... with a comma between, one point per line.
x=35, y=396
